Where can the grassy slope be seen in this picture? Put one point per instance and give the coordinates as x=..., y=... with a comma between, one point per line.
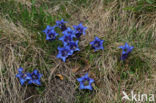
x=23, y=44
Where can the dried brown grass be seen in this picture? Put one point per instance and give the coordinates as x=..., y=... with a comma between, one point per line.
x=24, y=2
x=15, y=53
x=10, y=91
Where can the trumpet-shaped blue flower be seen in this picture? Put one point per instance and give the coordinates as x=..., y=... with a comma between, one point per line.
x=64, y=52
x=85, y=79
x=97, y=44
x=35, y=78
x=50, y=33
x=69, y=31
x=79, y=29
x=61, y=25
x=73, y=45
x=23, y=77
x=66, y=38
x=126, y=49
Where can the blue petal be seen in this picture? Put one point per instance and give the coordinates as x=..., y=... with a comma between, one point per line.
x=77, y=49
x=39, y=76
x=86, y=75
x=96, y=38
x=48, y=38
x=18, y=75
x=101, y=42
x=131, y=47
x=58, y=56
x=28, y=77
x=20, y=69
x=84, y=33
x=65, y=43
x=82, y=86
x=74, y=26
x=102, y=47
x=35, y=72
x=126, y=45
x=77, y=41
x=56, y=34
x=22, y=81
x=37, y=82
x=70, y=52
x=124, y=52
x=123, y=57
x=80, y=79
x=91, y=43
x=121, y=47
x=59, y=48
x=62, y=20
x=85, y=28
x=80, y=25
x=64, y=59
x=91, y=80
x=61, y=38
x=89, y=87
x=57, y=22
x=48, y=26
x=30, y=82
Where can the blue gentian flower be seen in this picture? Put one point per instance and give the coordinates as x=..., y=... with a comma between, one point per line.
x=85, y=79
x=126, y=49
x=48, y=29
x=79, y=29
x=35, y=78
x=61, y=25
x=66, y=38
x=97, y=44
x=69, y=31
x=50, y=33
x=64, y=52
x=23, y=77
x=73, y=45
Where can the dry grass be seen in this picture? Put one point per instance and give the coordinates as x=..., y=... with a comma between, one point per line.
x=25, y=2
x=11, y=52
x=9, y=92
x=110, y=22
x=15, y=53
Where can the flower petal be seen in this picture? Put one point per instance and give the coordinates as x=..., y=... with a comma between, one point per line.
x=20, y=69
x=89, y=87
x=80, y=79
